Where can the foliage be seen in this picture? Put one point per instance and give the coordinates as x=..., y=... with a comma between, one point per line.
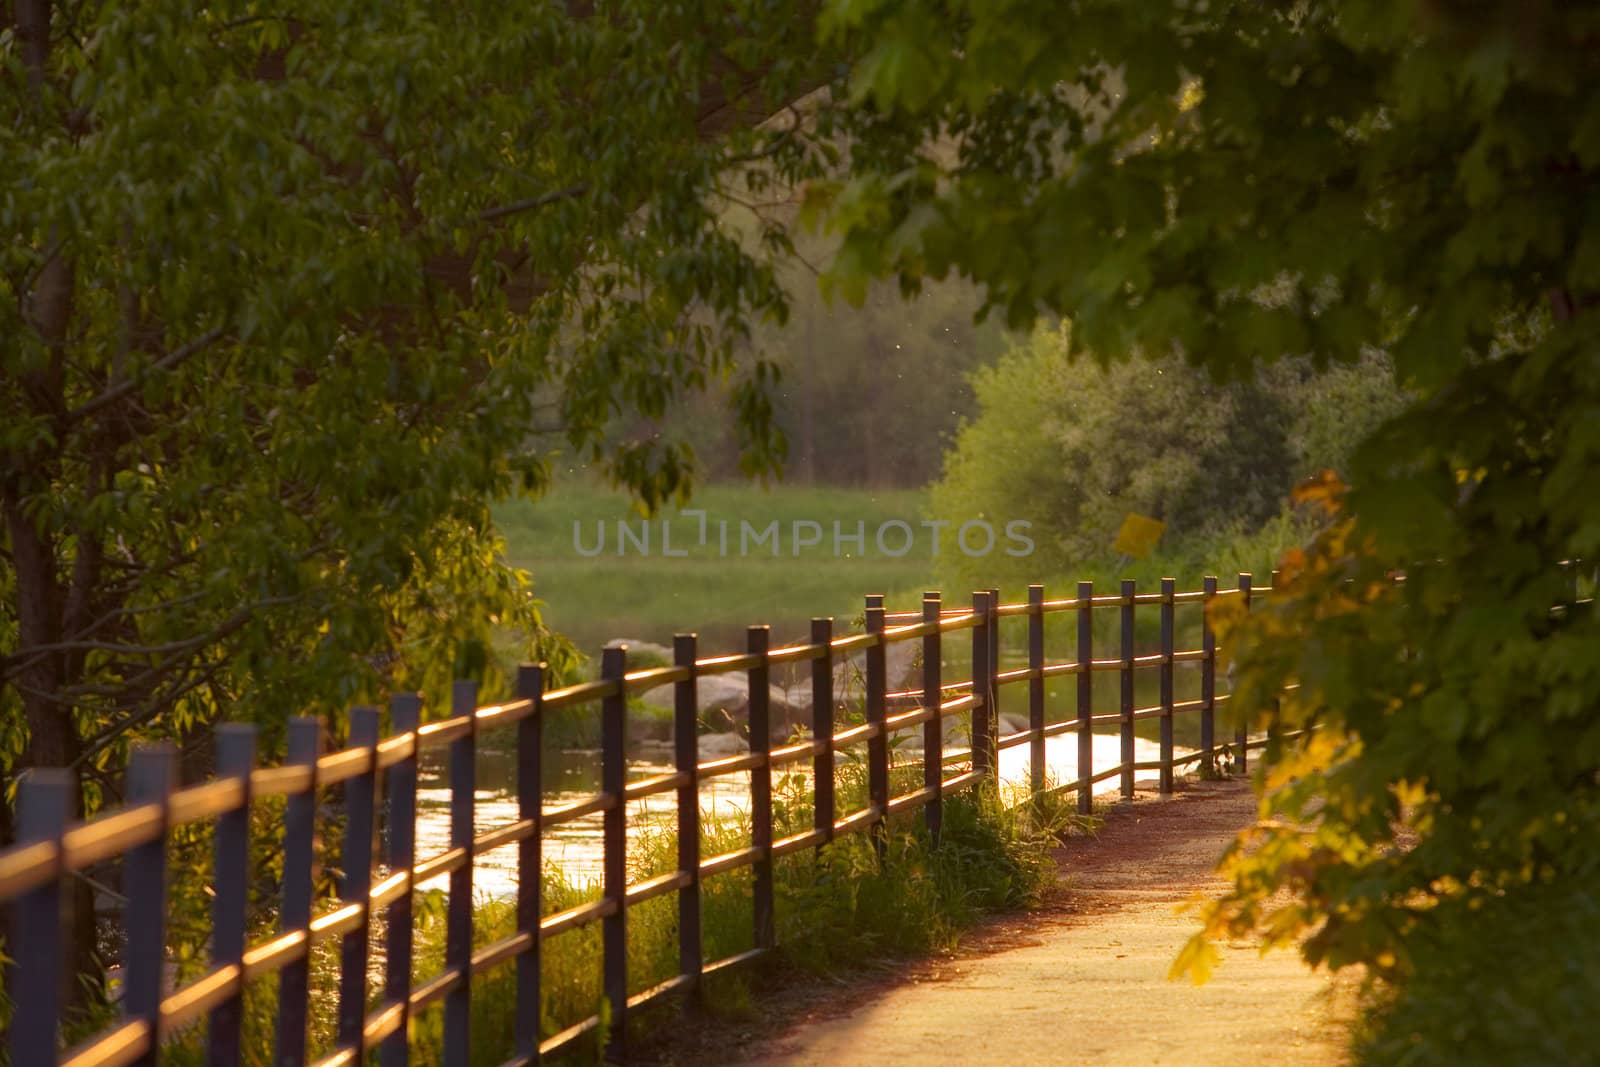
x=1334, y=408
x=288, y=299
x=1237, y=182
x=1514, y=980
x=1075, y=449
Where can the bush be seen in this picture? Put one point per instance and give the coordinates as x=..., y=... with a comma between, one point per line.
x=1073, y=447
x=1514, y=980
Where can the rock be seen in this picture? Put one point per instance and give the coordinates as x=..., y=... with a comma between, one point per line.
x=644, y=649
x=794, y=692
x=724, y=699
x=1012, y=724
x=645, y=729
x=718, y=746
x=714, y=691
x=901, y=664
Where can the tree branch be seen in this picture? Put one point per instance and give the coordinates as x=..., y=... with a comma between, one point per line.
x=154, y=706
x=165, y=363
x=571, y=192
x=23, y=659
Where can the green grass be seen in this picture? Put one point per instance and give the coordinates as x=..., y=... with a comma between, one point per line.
x=837, y=908
x=653, y=596
x=1187, y=563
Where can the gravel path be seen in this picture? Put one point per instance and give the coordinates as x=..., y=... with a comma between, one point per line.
x=1084, y=981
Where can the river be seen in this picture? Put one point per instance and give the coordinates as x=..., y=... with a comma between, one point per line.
x=574, y=847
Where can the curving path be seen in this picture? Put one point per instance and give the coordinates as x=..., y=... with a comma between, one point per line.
x=1085, y=982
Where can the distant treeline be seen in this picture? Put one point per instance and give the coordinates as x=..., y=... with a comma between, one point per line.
x=869, y=395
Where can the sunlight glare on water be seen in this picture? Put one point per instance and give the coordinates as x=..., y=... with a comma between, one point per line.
x=574, y=848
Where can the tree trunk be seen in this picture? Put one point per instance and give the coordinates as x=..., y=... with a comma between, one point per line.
x=53, y=739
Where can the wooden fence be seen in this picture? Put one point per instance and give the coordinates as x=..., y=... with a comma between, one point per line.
x=33, y=873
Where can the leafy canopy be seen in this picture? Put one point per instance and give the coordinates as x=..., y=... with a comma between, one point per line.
x=286, y=298
x=1235, y=182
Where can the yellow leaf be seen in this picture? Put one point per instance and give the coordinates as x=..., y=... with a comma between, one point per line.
x=1196, y=960
x=1138, y=535
x=1324, y=488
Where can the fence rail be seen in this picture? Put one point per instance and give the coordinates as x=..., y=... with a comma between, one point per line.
x=33, y=873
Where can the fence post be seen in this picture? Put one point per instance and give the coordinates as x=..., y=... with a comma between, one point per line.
x=758, y=639
x=151, y=776
x=356, y=859
x=1208, y=678
x=299, y=839
x=1241, y=736
x=1036, y=762
x=1085, y=697
x=1125, y=671
x=405, y=714
x=982, y=684
x=993, y=717
x=933, y=729
x=878, y=744
x=36, y=977
x=236, y=757
x=458, y=916
x=1168, y=591
x=686, y=754
x=614, y=884
x=530, y=857
x=822, y=728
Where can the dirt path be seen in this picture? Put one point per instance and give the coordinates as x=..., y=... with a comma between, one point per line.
x=1084, y=981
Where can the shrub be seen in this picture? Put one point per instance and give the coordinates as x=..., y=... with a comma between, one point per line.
x=1513, y=980
x=1074, y=446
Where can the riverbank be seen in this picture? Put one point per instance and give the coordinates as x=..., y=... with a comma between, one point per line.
x=838, y=910
x=1082, y=979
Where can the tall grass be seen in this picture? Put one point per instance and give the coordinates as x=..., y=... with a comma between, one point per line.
x=836, y=908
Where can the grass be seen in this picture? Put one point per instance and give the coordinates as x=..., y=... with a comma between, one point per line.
x=837, y=908
x=652, y=596
x=1188, y=563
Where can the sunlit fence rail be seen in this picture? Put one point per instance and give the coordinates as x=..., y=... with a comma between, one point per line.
x=378, y=775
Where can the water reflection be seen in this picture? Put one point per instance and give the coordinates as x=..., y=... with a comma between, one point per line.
x=574, y=848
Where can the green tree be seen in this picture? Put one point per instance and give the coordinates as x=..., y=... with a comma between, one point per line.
x=290, y=297
x=1075, y=448
x=1234, y=182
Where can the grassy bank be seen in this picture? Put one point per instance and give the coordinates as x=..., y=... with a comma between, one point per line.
x=716, y=588
x=1186, y=562
x=837, y=908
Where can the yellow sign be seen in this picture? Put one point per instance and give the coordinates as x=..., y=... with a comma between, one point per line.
x=1138, y=535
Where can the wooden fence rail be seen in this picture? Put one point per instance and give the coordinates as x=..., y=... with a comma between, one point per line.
x=50, y=849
